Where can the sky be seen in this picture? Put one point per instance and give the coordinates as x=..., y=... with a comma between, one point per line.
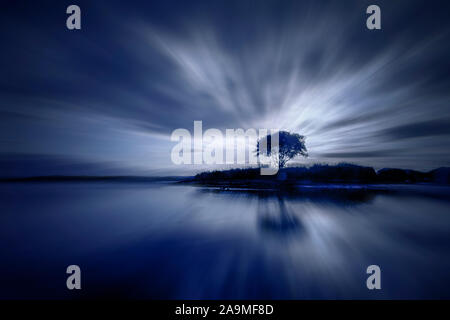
x=105, y=99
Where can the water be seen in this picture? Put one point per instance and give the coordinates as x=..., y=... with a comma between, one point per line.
x=170, y=241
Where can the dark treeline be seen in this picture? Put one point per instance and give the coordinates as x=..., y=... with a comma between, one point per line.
x=341, y=173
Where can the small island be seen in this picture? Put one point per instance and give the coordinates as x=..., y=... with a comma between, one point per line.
x=291, y=145
x=343, y=173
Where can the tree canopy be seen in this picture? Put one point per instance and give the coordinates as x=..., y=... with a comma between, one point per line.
x=290, y=145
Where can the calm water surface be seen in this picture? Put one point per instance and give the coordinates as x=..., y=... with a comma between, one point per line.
x=162, y=240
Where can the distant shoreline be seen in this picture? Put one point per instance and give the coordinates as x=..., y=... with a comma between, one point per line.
x=251, y=178
x=58, y=178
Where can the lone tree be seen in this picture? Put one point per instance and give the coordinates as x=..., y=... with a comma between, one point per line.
x=290, y=145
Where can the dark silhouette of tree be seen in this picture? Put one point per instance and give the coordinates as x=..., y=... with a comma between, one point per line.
x=290, y=145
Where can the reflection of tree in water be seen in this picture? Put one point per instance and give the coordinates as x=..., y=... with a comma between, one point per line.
x=275, y=217
x=339, y=196
x=274, y=214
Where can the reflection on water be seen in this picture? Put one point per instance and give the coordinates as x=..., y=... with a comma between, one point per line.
x=279, y=220
x=178, y=241
x=274, y=214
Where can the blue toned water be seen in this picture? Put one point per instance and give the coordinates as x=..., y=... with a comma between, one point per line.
x=166, y=240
